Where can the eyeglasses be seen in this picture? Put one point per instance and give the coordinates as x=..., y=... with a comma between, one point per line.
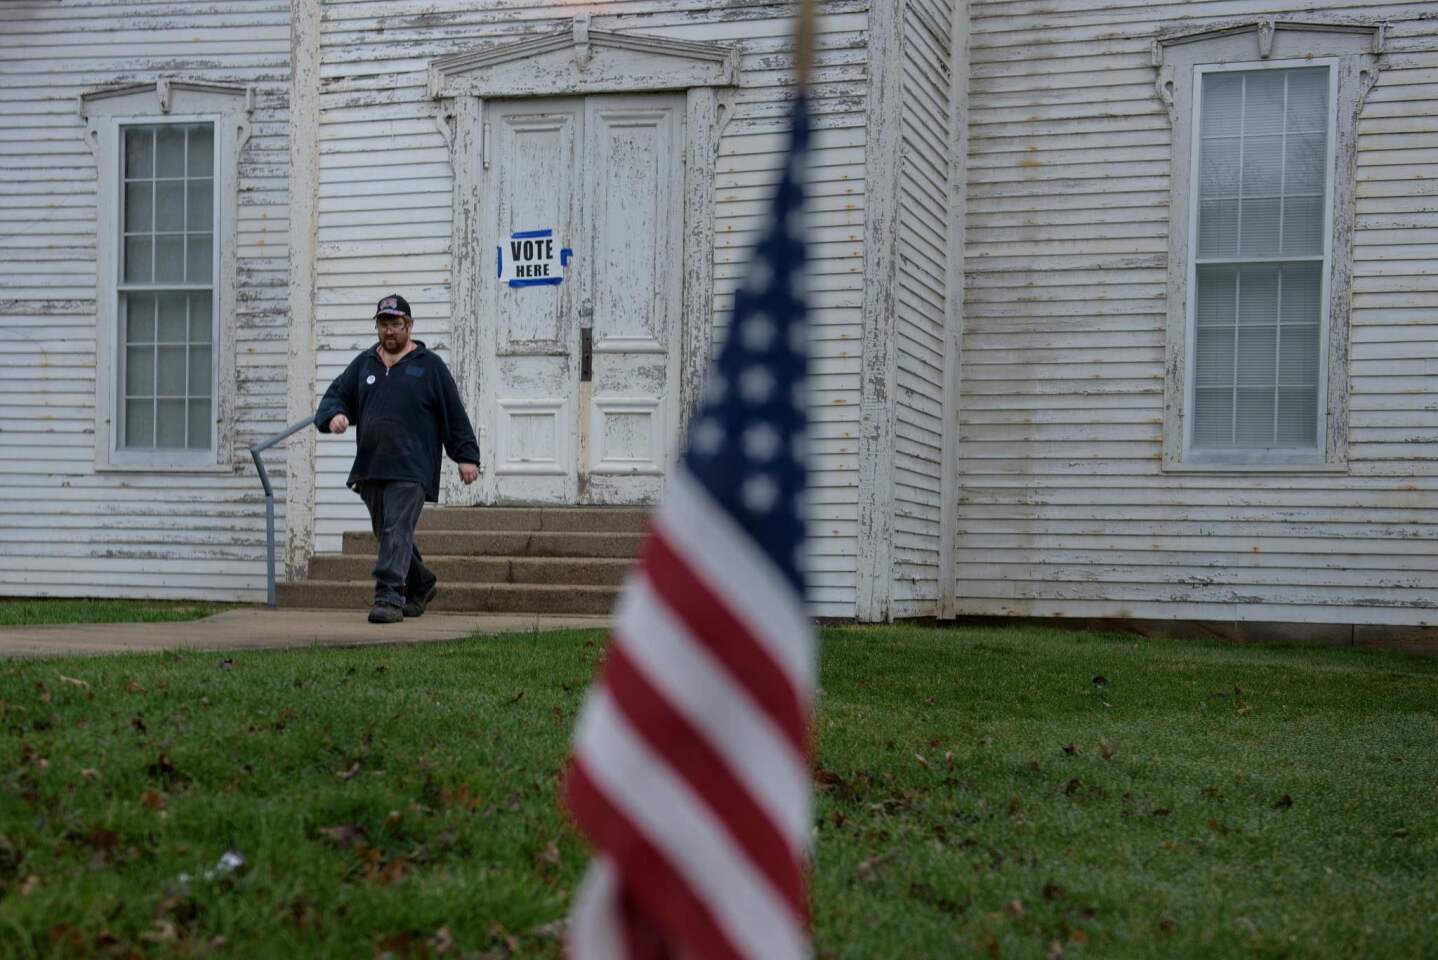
x=390, y=323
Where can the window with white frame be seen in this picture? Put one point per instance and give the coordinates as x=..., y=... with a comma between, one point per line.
x=167, y=156
x=1264, y=121
x=165, y=293
x=1260, y=258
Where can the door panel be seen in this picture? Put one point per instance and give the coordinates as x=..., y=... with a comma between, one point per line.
x=529, y=341
x=635, y=233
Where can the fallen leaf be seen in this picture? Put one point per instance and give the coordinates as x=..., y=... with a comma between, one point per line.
x=553, y=930
x=349, y=774
x=138, y=722
x=922, y=762
x=134, y=686
x=1078, y=936
x=1166, y=926
x=1071, y=750
x=516, y=698
x=1052, y=891
x=1072, y=786
x=1100, y=680
x=1107, y=749
x=869, y=868
x=1015, y=909
x=549, y=855
x=73, y=681
x=1014, y=805
x=90, y=773
x=1283, y=802
x=1244, y=710
x=29, y=885
x=1401, y=832
x=442, y=941
x=949, y=759
x=1056, y=950
x=345, y=836
x=1217, y=827
x=164, y=932
x=1162, y=812
x=152, y=800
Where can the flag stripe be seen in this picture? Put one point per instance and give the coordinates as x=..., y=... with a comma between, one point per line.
x=713, y=625
x=655, y=883
x=695, y=684
x=679, y=825
x=721, y=553
x=689, y=755
x=594, y=929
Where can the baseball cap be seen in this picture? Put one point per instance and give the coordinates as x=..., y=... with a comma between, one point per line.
x=392, y=306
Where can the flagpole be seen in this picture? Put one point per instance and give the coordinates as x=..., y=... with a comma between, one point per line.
x=804, y=42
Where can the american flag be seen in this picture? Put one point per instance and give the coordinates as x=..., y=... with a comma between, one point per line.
x=691, y=757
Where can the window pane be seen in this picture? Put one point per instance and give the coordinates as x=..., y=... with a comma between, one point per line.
x=199, y=214
x=1257, y=356
x=1217, y=228
x=1307, y=155
x=139, y=317
x=1298, y=417
x=170, y=424
x=1303, y=226
x=1308, y=99
x=138, y=260
x=174, y=325
x=199, y=371
x=139, y=152
x=1213, y=361
x=1302, y=293
x=169, y=205
x=139, y=423
x=1222, y=103
x=140, y=371
x=1262, y=166
x=1218, y=171
x=201, y=322
x=169, y=258
x=1213, y=417
x=1253, y=417
x=200, y=425
x=1298, y=355
x=202, y=151
x=201, y=262
x=1258, y=294
x=170, y=151
x=1263, y=103
x=170, y=369
x=138, y=199
x=1259, y=235
x=1217, y=292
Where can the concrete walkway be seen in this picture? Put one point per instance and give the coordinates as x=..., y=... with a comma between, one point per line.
x=262, y=629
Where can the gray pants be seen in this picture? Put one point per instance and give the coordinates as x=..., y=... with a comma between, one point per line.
x=399, y=570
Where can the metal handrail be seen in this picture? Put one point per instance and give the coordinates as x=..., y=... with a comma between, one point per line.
x=255, y=452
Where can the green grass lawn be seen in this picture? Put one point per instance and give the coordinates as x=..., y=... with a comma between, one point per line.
x=1016, y=793
x=38, y=612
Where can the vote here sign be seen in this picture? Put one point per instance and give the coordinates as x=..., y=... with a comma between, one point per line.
x=531, y=258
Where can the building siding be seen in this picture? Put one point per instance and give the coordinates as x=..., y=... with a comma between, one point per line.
x=1063, y=508
x=385, y=206
x=64, y=528
x=923, y=227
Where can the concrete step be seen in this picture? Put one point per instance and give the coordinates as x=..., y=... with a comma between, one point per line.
x=548, y=519
x=586, y=571
x=457, y=597
x=507, y=544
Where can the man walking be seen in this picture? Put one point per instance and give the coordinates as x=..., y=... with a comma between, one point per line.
x=404, y=405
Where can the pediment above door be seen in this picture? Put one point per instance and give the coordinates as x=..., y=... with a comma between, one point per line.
x=579, y=60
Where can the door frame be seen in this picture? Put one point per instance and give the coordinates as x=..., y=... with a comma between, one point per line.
x=579, y=61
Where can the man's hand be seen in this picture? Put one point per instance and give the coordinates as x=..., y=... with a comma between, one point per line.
x=468, y=472
x=339, y=423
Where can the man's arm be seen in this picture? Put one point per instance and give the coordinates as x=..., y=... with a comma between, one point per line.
x=339, y=400
x=454, y=425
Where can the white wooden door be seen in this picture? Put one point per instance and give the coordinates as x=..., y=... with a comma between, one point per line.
x=579, y=379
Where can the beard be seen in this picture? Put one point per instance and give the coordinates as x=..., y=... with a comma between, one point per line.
x=394, y=341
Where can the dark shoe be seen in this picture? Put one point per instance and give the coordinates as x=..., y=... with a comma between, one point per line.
x=414, y=607
x=384, y=613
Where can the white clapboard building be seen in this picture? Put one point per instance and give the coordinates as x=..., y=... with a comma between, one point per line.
x=1123, y=309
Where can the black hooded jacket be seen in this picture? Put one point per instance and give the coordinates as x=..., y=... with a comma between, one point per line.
x=401, y=416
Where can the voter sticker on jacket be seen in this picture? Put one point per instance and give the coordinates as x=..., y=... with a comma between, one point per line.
x=531, y=258
x=369, y=379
